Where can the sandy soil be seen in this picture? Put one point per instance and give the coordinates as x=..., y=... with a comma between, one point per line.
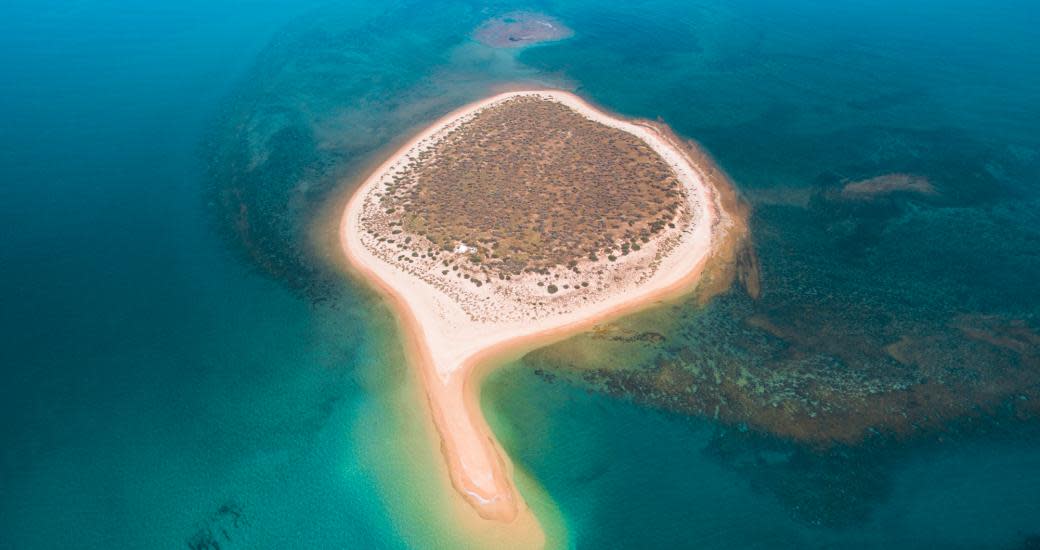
x=451, y=346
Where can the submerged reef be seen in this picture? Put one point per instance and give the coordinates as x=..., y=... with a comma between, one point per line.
x=312, y=113
x=862, y=323
x=891, y=289
x=219, y=530
x=891, y=286
x=836, y=487
x=841, y=485
x=885, y=185
x=780, y=372
x=878, y=301
x=520, y=28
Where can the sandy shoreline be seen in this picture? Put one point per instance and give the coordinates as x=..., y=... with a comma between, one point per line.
x=449, y=347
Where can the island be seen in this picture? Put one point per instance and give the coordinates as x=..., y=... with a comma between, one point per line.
x=515, y=222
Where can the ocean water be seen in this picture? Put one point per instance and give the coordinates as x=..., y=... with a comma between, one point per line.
x=184, y=368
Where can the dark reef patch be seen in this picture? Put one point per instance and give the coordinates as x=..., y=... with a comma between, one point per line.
x=841, y=485
x=218, y=530
x=836, y=487
x=257, y=204
x=273, y=156
x=316, y=107
x=901, y=308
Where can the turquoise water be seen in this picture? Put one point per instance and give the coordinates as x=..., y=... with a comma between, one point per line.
x=182, y=369
x=626, y=476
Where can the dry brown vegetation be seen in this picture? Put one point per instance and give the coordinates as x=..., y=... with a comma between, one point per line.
x=529, y=184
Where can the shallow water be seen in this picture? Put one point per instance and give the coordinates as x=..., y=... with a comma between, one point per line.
x=627, y=476
x=181, y=368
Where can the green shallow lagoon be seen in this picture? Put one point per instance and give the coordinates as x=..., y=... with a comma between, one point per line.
x=183, y=369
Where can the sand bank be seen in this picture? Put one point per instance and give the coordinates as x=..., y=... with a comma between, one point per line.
x=448, y=344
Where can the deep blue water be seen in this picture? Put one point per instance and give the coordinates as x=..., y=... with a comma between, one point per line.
x=170, y=378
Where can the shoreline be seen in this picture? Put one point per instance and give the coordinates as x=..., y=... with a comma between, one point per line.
x=480, y=471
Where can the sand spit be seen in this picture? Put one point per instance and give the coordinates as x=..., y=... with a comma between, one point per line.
x=454, y=328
